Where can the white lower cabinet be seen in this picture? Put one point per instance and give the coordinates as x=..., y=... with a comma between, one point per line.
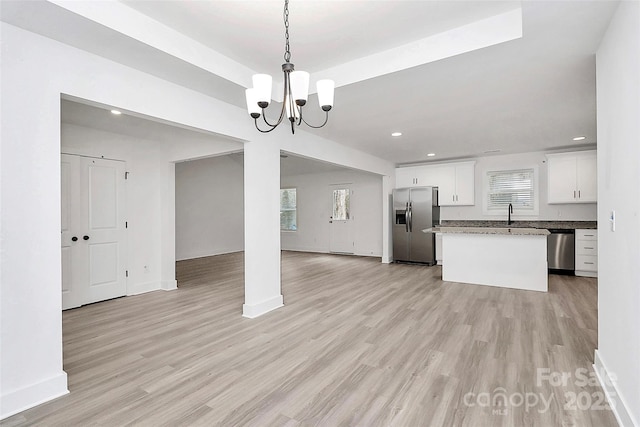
x=586, y=253
x=439, y=248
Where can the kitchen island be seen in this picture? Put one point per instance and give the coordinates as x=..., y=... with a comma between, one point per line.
x=504, y=257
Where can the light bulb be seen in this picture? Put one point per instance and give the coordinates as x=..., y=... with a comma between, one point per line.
x=325, y=94
x=262, y=85
x=299, y=81
x=252, y=103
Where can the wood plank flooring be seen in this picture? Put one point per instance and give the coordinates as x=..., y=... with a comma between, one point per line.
x=358, y=343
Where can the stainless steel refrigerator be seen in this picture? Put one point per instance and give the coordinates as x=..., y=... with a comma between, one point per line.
x=415, y=213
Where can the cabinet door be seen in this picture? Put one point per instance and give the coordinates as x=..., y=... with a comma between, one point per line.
x=445, y=178
x=425, y=177
x=587, y=178
x=465, y=189
x=561, y=179
x=405, y=177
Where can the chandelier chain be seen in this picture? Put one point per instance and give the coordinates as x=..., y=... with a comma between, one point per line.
x=287, y=53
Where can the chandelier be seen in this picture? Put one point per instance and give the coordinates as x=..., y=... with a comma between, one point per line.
x=296, y=91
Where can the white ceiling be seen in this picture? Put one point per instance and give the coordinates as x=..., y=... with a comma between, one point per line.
x=101, y=118
x=529, y=94
x=323, y=33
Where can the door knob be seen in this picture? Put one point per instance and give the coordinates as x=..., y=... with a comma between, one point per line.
x=85, y=237
x=74, y=239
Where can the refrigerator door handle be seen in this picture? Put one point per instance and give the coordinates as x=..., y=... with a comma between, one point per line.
x=410, y=217
x=406, y=217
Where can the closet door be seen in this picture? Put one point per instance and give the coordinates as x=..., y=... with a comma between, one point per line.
x=71, y=246
x=93, y=232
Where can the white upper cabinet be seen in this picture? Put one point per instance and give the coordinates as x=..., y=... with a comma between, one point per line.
x=465, y=184
x=444, y=177
x=410, y=177
x=587, y=178
x=572, y=177
x=455, y=181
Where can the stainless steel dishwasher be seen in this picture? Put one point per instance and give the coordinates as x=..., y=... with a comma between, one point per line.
x=561, y=251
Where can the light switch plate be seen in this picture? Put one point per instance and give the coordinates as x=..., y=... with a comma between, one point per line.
x=612, y=220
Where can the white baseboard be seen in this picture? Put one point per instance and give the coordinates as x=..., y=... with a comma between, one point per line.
x=208, y=254
x=312, y=250
x=369, y=255
x=616, y=401
x=169, y=285
x=586, y=273
x=33, y=395
x=255, y=310
x=318, y=251
x=141, y=288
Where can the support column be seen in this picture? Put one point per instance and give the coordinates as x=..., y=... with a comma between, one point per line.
x=262, y=291
x=387, y=190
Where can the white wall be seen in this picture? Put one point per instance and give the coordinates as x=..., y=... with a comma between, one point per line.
x=35, y=72
x=563, y=212
x=314, y=210
x=618, y=89
x=143, y=197
x=149, y=164
x=209, y=207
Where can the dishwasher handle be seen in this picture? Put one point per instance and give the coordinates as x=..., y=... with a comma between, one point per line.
x=562, y=231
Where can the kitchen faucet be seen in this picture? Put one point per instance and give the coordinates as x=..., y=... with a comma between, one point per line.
x=510, y=210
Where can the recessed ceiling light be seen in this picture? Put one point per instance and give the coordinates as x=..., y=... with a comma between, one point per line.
x=431, y=154
x=579, y=138
x=396, y=134
x=116, y=112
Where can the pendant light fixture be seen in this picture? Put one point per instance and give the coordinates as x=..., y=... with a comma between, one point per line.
x=296, y=91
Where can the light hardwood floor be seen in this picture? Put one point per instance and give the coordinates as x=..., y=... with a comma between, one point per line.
x=357, y=343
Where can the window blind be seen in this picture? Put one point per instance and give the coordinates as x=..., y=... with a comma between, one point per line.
x=515, y=187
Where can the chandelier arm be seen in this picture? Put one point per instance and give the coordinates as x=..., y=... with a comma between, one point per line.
x=300, y=119
x=326, y=119
x=264, y=131
x=264, y=117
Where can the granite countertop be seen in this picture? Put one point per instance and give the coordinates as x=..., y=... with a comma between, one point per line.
x=513, y=231
x=566, y=225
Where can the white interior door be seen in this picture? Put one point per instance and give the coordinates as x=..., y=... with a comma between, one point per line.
x=93, y=230
x=341, y=221
x=71, y=246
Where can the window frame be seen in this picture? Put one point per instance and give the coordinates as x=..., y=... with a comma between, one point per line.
x=347, y=206
x=288, y=230
x=519, y=212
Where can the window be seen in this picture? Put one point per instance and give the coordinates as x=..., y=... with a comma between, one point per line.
x=288, y=212
x=341, y=204
x=516, y=187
